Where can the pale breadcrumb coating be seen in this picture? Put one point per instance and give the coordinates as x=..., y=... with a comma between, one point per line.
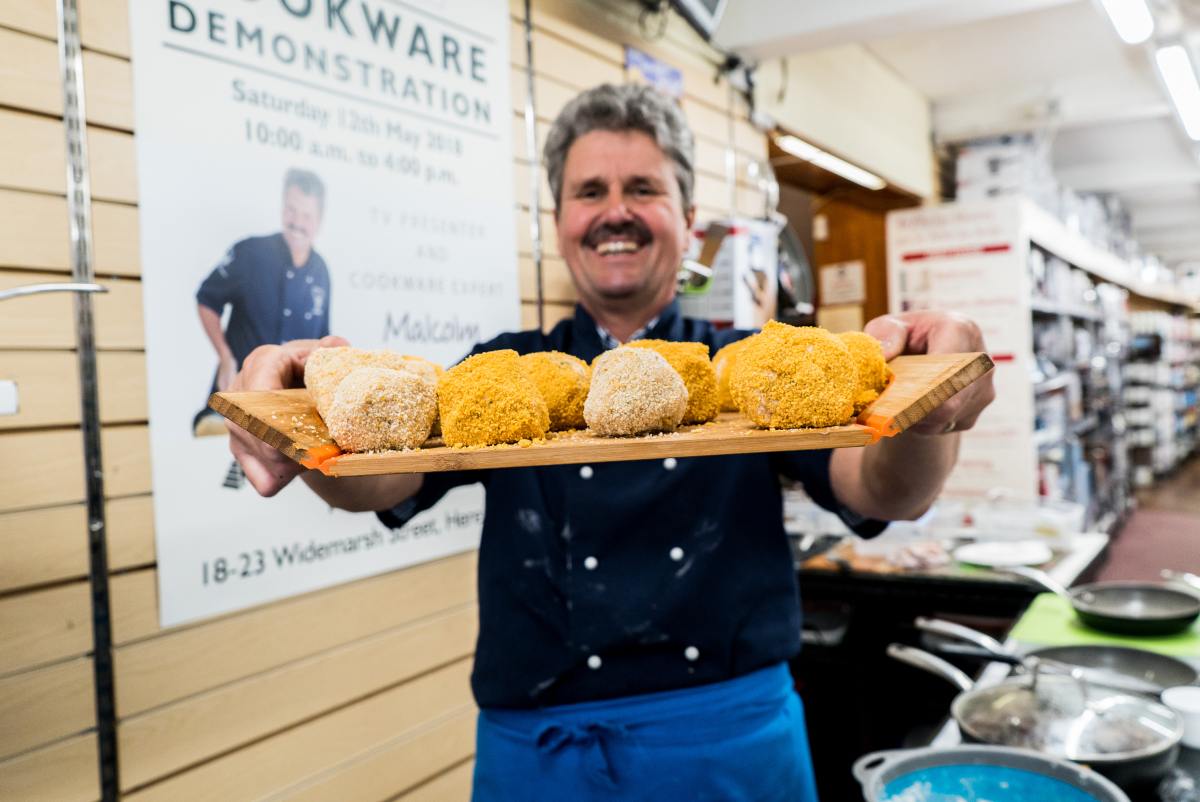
x=377, y=409
x=634, y=391
x=723, y=363
x=791, y=377
x=563, y=380
x=691, y=362
x=487, y=399
x=873, y=372
x=326, y=367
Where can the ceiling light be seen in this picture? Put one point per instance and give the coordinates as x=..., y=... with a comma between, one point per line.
x=828, y=161
x=1131, y=18
x=1180, y=78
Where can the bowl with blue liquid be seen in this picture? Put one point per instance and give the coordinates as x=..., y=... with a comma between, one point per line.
x=978, y=774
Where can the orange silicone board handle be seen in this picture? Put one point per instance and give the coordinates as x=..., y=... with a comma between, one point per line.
x=319, y=455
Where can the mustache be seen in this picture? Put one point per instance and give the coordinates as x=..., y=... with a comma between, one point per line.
x=631, y=229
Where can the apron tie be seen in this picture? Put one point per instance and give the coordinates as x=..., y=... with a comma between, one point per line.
x=591, y=739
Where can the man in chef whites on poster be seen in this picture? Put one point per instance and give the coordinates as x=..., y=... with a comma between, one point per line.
x=277, y=288
x=636, y=618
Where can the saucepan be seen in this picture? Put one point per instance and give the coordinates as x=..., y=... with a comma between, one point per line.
x=1126, y=608
x=1118, y=667
x=1130, y=738
x=995, y=773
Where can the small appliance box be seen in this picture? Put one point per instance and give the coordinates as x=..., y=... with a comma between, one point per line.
x=745, y=280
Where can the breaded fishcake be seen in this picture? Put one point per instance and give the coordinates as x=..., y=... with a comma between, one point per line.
x=723, y=363
x=791, y=377
x=563, y=380
x=487, y=399
x=634, y=391
x=691, y=362
x=873, y=372
x=326, y=367
x=377, y=409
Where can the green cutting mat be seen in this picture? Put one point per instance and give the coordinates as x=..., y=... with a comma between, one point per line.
x=1050, y=621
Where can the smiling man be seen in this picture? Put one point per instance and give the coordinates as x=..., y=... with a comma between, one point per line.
x=636, y=618
x=276, y=288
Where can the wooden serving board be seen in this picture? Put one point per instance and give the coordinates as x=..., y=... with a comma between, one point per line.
x=287, y=420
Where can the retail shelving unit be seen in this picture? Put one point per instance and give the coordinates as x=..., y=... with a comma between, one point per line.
x=1161, y=382
x=1054, y=310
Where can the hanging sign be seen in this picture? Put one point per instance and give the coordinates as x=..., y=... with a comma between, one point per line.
x=310, y=167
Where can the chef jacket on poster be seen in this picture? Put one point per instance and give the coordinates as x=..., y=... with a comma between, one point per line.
x=305, y=169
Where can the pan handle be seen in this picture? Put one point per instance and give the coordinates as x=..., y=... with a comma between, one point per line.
x=959, y=632
x=918, y=658
x=1042, y=578
x=867, y=767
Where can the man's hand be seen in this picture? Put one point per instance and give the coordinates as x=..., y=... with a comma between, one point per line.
x=938, y=333
x=227, y=370
x=271, y=367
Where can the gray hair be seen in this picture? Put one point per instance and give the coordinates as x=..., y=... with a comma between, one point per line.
x=308, y=183
x=630, y=107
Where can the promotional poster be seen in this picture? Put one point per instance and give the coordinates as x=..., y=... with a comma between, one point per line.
x=309, y=168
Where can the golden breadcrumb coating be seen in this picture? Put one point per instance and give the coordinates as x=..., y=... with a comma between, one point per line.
x=634, y=391
x=691, y=362
x=723, y=364
x=791, y=377
x=487, y=399
x=326, y=367
x=377, y=409
x=563, y=380
x=873, y=372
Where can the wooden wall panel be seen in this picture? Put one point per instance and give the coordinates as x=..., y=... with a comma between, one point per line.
x=34, y=231
x=130, y=523
x=43, y=546
x=549, y=237
x=104, y=25
x=570, y=65
x=122, y=386
x=310, y=749
x=47, y=387
x=108, y=91
x=159, y=670
x=112, y=165
x=556, y=280
x=119, y=315
x=134, y=605
x=29, y=75
x=32, y=153
x=452, y=786
x=115, y=239
x=167, y=739
x=44, y=626
x=63, y=772
x=35, y=321
x=126, y=452
x=711, y=192
x=856, y=232
x=31, y=16
x=46, y=704
x=521, y=187
x=379, y=775
x=51, y=474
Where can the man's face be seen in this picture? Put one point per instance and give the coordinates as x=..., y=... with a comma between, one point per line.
x=301, y=219
x=621, y=225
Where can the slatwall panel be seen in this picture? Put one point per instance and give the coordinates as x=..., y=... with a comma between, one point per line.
x=354, y=692
x=47, y=739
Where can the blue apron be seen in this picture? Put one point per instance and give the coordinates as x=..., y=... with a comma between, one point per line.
x=742, y=740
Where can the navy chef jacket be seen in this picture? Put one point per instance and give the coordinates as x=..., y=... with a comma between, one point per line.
x=625, y=578
x=273, y=300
